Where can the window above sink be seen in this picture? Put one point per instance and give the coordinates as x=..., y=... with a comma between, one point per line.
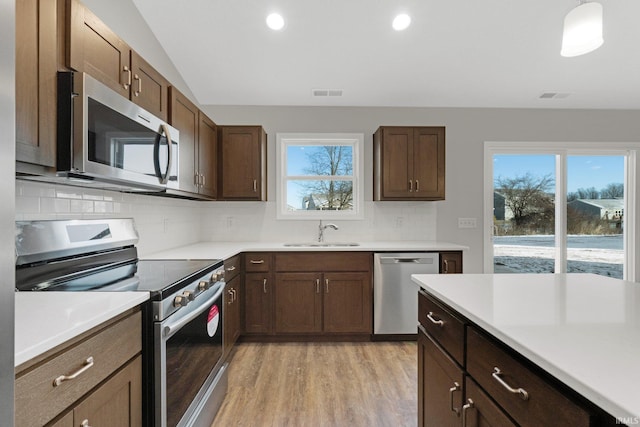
x=319, y=176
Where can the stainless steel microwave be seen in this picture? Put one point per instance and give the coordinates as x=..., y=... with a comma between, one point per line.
x=105, y=138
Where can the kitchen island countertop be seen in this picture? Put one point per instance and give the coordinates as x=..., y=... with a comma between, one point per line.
x=44, y=320
x=225, y=250
x=583, y=329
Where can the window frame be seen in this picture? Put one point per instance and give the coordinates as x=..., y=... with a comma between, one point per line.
x=284, y=140
x=562, y=150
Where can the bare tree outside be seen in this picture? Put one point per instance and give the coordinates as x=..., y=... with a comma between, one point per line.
x=528, y=199
x=612, y=191
x=330, y=194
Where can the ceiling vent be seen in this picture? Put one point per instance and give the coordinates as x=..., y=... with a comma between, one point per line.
x=326, y=92
x=554, y=95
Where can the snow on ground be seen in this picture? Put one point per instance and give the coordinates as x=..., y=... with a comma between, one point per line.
x=518, y=258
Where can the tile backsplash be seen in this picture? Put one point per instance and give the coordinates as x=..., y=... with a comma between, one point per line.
x=164, y=223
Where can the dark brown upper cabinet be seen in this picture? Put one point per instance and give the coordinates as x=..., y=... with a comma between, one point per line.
x=198, y=143
x=242, y=163
x=96, y=50
x=40, y=53
x=409, y=163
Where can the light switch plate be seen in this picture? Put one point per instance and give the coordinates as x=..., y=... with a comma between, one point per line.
x=467, y=223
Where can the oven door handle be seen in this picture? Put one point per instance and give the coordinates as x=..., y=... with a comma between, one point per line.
x=174, y=327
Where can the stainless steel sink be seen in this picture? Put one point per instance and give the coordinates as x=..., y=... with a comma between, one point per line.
x=322, y=244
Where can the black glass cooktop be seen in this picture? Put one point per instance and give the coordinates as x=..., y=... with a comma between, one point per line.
x=108, y=274
x=164, y=277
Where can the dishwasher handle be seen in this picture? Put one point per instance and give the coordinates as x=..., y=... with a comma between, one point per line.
x=412, y=260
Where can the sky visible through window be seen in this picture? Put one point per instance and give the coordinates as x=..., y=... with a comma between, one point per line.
x=583, y=171
x=299, y=164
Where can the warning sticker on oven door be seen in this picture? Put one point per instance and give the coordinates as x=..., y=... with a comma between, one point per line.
x=212, y=320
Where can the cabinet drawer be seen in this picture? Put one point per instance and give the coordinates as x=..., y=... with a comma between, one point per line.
x=324, y=261
x=442, y=325
x=257, y=261
x=484, y=356
x=231, y=267
x=110, y=348
x=480, y=410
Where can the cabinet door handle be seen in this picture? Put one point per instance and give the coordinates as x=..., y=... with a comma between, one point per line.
x=456, y=387
x=256, y=261
x=326, y=286
x=255, y=185
x=235, y=295
x=417, y=185
x=519, y=391
x=446, y=266
x=264, y=285
x=434, y=321
x=317, y=286
x=85, y=423
x=138, y=91
x=87, y=364
x=465, y=408
x=196, y=180
x=410, y=185
x=127, y=80
x=230, y=293
x=203, y=180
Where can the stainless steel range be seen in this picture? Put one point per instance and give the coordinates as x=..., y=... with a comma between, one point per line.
x=184, y=374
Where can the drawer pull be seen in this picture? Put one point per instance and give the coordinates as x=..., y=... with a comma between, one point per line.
x=85, y=423
x=465, y=408
x=88, y=363
x=256, y=261
x=456, y=387
x=232, y=268
x=434, y=321
x=519, y=391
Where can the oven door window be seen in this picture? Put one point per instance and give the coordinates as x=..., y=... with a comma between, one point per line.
x=192, y=353
x=119, y=142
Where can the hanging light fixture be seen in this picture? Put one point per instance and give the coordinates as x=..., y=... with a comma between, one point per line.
x=582, y=29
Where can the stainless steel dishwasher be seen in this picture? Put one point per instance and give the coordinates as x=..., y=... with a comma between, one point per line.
x=395, y=296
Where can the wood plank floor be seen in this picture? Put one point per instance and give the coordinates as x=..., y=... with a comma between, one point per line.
x=321, y=384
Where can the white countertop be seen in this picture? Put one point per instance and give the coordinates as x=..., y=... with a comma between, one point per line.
x=225, y=250
x=583, y=329
x=44, y=320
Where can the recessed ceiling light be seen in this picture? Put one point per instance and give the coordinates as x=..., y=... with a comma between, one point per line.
x=275, y=21
x=401, y=22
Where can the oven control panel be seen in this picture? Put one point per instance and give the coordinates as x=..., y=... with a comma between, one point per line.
x=194, y=292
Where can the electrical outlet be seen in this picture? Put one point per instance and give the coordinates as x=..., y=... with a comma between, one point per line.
x=230, y=221
x=399, y=221
x=467, y=223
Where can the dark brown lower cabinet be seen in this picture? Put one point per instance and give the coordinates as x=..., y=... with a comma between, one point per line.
x=115, y=403
x=232, y=304
x=480, y=411
x=311, y=303
x=258, y=294
x=347, y=302
x=440, y=385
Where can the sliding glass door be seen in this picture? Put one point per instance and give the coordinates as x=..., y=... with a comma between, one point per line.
x=557, y=210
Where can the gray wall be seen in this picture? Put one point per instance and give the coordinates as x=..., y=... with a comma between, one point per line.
x=466, y=131
x=7, y=173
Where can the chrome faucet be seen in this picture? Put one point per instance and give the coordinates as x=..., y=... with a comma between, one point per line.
x=321, y=230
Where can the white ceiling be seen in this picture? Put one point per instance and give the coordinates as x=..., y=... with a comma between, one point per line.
x=456, y=53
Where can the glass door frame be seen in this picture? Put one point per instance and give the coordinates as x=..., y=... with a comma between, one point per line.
x=562, y=150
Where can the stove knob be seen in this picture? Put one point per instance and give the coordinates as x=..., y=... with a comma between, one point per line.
x=190, y=296
x=214, y=277
x=221, y=275
x=204, y=285
x=180, y=301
